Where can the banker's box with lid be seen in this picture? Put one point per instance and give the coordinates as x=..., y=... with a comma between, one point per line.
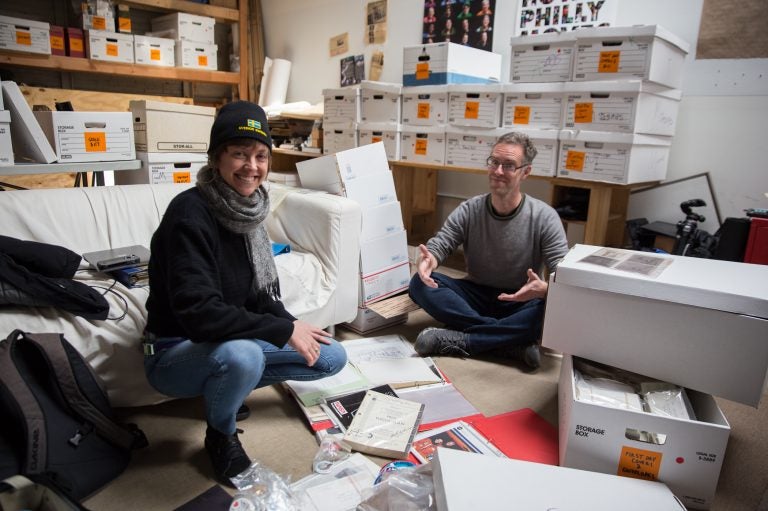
x=542, y=57
x=18, y=34
x=627, y=106
x=476, y=106
x=162, y=168
x=6, y=149
x=341, y=106
x=469, y=147
x=423, y=144
x=386, y=132
x=109, y=46
x=171, y=127
x=426, y=105
x=441, y=63
x=547, y=143
x=196, y=55
x=647, y=52
x=622, y=158
x=379, y=102
x=185, y=27
x=154, y=51
x=339, y=136
x=533, y=105
x=88, y=136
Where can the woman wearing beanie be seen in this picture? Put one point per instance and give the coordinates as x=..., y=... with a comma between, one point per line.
x=216, y=326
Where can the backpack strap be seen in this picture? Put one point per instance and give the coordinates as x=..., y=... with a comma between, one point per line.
x=35, y=460
x=51, y=345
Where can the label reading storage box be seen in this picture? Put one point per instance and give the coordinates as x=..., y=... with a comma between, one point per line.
x=533, y=105
x=89, y=136
x=479, y=106
x=425, y=105
x=29, y=36
x=542, y=58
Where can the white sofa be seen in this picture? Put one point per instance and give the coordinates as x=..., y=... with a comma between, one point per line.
x=319, y=278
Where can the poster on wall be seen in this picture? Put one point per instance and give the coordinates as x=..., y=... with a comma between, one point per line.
x=466, y=22
x=376, y=22
x=541, y=16
x=352, y=70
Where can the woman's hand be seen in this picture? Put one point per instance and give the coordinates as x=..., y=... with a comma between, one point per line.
x=306, y=340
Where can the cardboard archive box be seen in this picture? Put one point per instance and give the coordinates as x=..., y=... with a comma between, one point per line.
x=57, y=40
x=75, y=42
x=6, y=147
x=367, y=320
x=196, y=55
x=341, y=106
x=338, y=137
x=623, y=158
x=702, y=323
x=469, y=147
x=109, y=46
x=532, y=105
x=542, y=57
x=381, y=220
x=17, y=34
x=425, y=105
x=627, y=106
x=441, y=63
x=647, y=52
x=379, y=102
x=154, y=51
x=384, y=283
x=423, y=144
x=547, y=143
x=162, y=168
x=88, y=136
x=476, y=106
x=386, y=132
x=171, y=127
x=185, y=27
x=383, y=252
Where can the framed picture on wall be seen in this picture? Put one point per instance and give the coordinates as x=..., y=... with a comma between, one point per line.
x=466, y=22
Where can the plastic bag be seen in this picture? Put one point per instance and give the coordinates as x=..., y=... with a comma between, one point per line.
x=261, y=489
x=330, y=451
x=407, y=489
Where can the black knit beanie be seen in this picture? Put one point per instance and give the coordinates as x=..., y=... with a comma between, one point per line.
x=240, y=119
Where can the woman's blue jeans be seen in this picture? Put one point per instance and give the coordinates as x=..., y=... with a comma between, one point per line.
x=474, y=309
x=225, y=373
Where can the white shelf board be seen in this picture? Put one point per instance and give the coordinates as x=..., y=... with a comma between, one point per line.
x=62, y=168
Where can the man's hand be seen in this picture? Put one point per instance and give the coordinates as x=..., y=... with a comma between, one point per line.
x=306, y=340
x=534, y=288
x=427, y=263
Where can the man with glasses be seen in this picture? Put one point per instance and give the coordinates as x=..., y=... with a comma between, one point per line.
x=507, y=237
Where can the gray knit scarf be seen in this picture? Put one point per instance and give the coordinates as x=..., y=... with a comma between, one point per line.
x=244, y=215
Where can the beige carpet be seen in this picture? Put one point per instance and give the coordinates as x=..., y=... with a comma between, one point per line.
x=174, y=469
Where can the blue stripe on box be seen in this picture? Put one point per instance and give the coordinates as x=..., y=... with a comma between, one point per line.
x=444, y=78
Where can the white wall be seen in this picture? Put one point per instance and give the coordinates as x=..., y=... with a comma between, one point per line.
x=722, y=119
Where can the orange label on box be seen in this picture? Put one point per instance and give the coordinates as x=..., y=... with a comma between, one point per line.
x=471, y=109
x=24, y=38
x=375, y=139
x=57, y=42
x=99, y=22
x=202, y=60
x=95, y=142
x=124, y=24
x=422, y=110
x=112, y=50
x=420, y=147
x=422, y=71
x=582, y=112
x=75, y=44
x=154, y=54
x=522, y=114
x=182, y=177
x=574, y=160
x=639, y=463
x=609, y=61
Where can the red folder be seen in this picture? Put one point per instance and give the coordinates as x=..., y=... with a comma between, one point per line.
x=522, y=434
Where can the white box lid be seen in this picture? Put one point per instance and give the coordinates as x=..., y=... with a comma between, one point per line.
x=393, y=88
x=607, y=33
x=105, y=34
x=479, y=88
x=425, y=89
x=727, y=286
x=637, y=86
x=5, y=115
x=410, y=128
x=478, y=132
x=347, y=91
x=24, y=22
x=521, y=88
x=154, y=157
x=536, y=133
x=560, y=38
x=379, y=126
x=170, y=107
x=139, y=39
x=613, y=138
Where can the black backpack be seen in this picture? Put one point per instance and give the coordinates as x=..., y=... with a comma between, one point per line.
x=57, y=422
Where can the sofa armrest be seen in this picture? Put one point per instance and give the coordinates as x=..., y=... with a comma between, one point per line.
x=327, y=226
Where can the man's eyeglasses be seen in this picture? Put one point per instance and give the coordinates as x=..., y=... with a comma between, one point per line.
x=492, y=164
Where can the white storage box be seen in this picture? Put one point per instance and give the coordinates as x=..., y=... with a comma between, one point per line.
x=533, y=105
x=702, y=323
x=88, y=136
x=648, y=52
x=171, y=127
x=6, y=146
x=686, y=455
x=339, y=137
x=162, y=168
x=17, y=34
x=371, y=190
x=612, y=157
x=154, y=51
x=341, y=106
x=439, y=63
x=542, y=57
x=381, y=220
x=383, y=252
x=423, y=144
x=425, y=105
x=477, y=106
x=386, y=132
x=627, y=106
x=285, y=177
x=383, y=284
x=196, y=55
x=367, y=320
x=186, y=27
x=109, y=46
x=469, y=147
x=547, y=146
x=379, y=102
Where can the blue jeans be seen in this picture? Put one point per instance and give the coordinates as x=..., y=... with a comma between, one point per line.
x=475, y=310
x=225, y=373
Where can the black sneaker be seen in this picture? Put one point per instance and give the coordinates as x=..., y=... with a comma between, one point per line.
x=441, y=341
x=529, y=354
x=242, y=413
x=227, y=454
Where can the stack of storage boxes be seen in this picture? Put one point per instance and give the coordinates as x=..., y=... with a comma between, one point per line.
x=362, y=174
x=380, y=116
x=700, y=324
x=193, y=36
x=341, y=114
x=102, y=41
x=171, y=142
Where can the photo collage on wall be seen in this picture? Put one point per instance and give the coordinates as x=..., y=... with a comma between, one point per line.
x=466, y=22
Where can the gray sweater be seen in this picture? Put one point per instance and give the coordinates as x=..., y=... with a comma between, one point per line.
x=499, y=249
